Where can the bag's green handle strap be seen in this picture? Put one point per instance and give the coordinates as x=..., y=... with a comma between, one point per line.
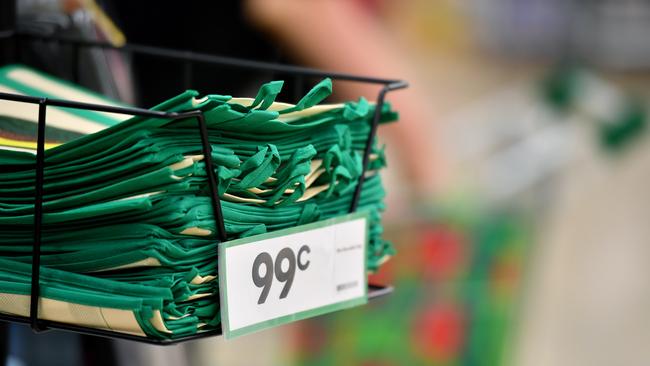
x=267, y=94
x=316, y=95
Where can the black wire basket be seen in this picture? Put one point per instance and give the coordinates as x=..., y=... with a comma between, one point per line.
x=14, y=40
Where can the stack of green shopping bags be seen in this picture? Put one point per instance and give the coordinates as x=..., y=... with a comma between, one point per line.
x=129, y=237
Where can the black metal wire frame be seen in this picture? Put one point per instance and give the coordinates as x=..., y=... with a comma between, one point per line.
x=188, y=58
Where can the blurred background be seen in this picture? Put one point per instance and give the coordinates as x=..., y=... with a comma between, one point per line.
x=518, y=174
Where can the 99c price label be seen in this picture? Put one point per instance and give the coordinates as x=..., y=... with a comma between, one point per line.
x=287, y=275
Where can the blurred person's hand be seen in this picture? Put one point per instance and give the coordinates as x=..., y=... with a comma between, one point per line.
x=342, y=35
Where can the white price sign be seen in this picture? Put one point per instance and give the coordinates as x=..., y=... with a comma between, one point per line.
x=292, y=274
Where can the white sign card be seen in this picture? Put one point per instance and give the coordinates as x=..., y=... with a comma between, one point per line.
x=292, y=274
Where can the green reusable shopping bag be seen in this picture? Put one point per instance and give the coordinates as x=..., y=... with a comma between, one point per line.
x=128, y=217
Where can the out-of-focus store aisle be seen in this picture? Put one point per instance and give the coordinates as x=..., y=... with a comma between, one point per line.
x=583, y=294
x=588, y=296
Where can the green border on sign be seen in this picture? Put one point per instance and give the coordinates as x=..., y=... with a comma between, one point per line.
x=223, y=287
